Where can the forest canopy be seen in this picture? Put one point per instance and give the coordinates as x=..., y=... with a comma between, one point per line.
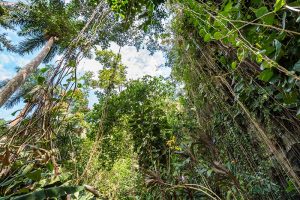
x=225, y=124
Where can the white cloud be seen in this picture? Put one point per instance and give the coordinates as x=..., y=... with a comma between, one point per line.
x=8, y=64
x=139, y=63
x=13, y=60
x=86, y=65
x=4, y=74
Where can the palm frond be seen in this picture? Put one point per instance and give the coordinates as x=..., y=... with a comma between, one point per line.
x=14, y=99
x=5, y=43
x=30, y=44
x=32, y=31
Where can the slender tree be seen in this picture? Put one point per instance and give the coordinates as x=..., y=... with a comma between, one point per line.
x=46, y=23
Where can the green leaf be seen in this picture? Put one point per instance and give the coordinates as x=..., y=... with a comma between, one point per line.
x=207, y=37
x=290, y=98
x=44, y=69
x=241, y=54
x=279, y=4
x=233, y=65
x=297, y=66
x=228, y=6
x=209, y=172
x=40, y=80
x=265, y=65
x=259, y=58
x=27, y=169
x=36, y=175
x=266, y=75
x=202, y=32
x=218, y=35
x=72, y=63
x=261, y=11
x=229, y=195
x=277, y=45
x=268, y=18
x=79, y=85
x=15, y=112
x=50, y=166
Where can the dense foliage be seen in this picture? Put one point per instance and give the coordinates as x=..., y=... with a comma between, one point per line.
x=224, y=125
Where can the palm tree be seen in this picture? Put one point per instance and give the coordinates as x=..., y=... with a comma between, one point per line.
x=4, y=42
x=46, y=23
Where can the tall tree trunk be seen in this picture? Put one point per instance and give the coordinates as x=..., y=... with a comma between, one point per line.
x=24, y=73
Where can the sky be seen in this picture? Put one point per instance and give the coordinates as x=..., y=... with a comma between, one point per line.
x=139, y=63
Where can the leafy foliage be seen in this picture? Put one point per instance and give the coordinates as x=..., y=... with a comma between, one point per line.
x=224, y=126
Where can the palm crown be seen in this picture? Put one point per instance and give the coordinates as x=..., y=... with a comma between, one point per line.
x=42, y=20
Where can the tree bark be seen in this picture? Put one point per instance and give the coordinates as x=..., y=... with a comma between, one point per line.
x=21, y=115
x=24, y=73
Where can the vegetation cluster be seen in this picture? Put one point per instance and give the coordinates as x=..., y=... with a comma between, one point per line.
x=224, y=125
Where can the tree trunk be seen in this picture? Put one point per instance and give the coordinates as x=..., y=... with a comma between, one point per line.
x=24, y=73
x=20, y=116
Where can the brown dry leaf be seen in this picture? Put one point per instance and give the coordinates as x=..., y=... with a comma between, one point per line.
x=5, y=157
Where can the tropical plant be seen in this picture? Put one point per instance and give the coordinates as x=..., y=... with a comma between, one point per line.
x=55, y=33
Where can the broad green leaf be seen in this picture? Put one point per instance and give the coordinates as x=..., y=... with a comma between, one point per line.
x=279, y=4
x=266, y=75
x=218, y=35
x=207, y=37
x=202, y=32
x=290, y=188
x=261, y=11
x=268, y=18
x=233, y=65
x=228, y=6
x=44, y=69
x=40, y=80
x=36, y=175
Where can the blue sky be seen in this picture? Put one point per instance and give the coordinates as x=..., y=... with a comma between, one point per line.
x=139, y=63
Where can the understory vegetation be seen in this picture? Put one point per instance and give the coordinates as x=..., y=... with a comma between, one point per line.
x=224, y=125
